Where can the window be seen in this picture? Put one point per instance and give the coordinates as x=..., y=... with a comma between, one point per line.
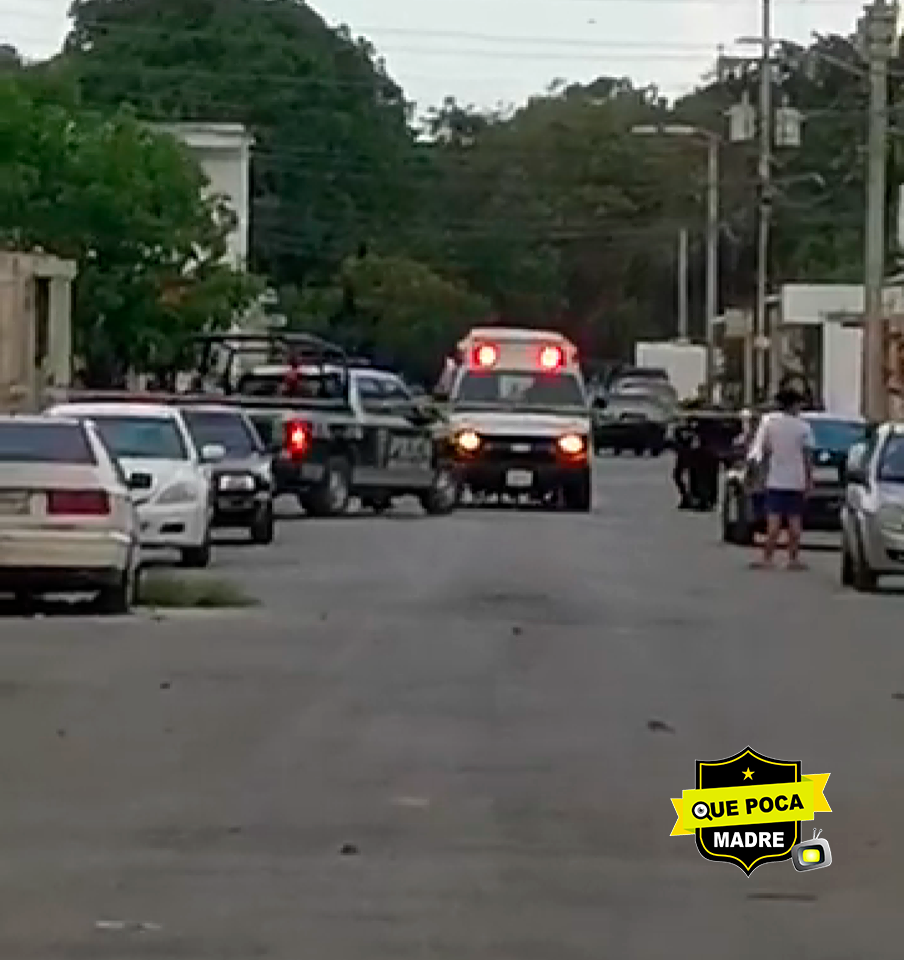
x=520, y=390
x=50, y=442
x=370, y=392
x=228, y=430
x=394, y=391
x=141, y=438
x=836, y=435
x=891, y=460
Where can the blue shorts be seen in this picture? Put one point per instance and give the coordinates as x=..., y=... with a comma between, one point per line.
x=785, y=503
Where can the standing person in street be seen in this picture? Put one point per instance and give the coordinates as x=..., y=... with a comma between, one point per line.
x=784, y=446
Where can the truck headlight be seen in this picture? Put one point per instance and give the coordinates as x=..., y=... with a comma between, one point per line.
x=468, y=441
x=572, y=444
x=179, y=493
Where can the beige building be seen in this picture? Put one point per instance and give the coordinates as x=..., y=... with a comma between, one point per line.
x=35, y=328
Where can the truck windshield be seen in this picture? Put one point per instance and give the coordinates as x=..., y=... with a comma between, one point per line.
x=891, y=464
x=519, y=389
x=836, y=435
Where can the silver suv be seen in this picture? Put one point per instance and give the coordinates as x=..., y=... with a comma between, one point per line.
x=872, y=538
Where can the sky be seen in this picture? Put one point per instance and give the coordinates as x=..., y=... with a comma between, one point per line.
x=490, y=53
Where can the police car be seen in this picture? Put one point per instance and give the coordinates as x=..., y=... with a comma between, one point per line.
x=520, y=418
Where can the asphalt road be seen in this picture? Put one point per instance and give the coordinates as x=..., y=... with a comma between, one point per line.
x=465, y=703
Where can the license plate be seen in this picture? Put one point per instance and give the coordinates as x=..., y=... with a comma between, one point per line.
x=14, y=503
x=825, y=474
x=519, y=479
x=236, y=485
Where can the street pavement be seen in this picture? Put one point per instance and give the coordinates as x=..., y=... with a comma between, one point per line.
x=451, y=738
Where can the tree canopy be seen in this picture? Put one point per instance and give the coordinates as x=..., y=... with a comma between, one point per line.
x=127, y=204
x=390, y=229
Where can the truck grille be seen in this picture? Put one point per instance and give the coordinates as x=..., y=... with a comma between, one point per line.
x=520, y=449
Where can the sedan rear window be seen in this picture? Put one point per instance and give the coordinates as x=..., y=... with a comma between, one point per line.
x=44, y=443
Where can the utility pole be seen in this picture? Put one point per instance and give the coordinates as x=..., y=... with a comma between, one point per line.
x=712, y=255
x=879, y=27
x=713, y=145
x=765, y=198
x=682, y=286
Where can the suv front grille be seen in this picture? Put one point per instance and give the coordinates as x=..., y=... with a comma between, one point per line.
x=521, y=449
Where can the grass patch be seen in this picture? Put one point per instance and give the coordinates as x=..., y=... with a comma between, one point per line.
x=167, y=591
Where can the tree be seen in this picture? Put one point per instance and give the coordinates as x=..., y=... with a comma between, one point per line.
x=333, y=145
x=128, y=206
x=395, y=309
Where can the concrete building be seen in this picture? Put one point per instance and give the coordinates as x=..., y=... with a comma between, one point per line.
x=35, y=328
x=224, y=152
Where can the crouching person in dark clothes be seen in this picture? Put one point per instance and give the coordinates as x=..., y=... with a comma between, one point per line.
x=685, y=440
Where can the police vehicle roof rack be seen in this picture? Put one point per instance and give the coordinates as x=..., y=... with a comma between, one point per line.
x=305, y=348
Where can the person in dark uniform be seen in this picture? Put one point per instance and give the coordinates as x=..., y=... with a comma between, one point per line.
x=704, y=472
x=685, y=442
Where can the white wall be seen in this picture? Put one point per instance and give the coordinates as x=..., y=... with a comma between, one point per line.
x=224, y=152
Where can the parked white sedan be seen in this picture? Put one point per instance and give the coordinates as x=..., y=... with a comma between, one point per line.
x=67, y=521
x=166, y=472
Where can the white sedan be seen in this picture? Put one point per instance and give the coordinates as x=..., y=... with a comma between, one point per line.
x=167, y=474
x=67, y=521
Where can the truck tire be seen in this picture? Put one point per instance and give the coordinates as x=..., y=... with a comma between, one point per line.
x=736, y=527
x=443, y=495
x=330, y=498
x=263, y=526
x=578, y=494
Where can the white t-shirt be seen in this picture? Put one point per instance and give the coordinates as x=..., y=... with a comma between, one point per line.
x=783, y=442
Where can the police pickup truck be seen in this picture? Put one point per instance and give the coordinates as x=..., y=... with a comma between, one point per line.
x=520, y=418
x=338, y=431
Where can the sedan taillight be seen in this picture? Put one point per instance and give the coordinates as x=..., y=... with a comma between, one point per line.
x=78, y=503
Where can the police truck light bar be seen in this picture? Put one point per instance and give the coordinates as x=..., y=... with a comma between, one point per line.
x=485, y=355
x=551, y=358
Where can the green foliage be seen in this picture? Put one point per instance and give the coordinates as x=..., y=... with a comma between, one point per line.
x=393, y=239
x=127, y=205
x=332, y=139
x=393, y=307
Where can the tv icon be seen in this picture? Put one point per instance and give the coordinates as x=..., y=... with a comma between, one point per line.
x=812, y=855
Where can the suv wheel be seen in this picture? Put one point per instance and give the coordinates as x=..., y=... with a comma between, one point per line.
x=331, y=498
x=197, y=558
x=578, y=494
x=263, y=527
x=443, y=495
x=864, y=578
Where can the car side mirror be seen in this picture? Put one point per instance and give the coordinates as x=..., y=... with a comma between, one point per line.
x=139, y=481
x=213, y=453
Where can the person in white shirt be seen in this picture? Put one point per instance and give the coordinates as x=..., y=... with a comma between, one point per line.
x=784, y=448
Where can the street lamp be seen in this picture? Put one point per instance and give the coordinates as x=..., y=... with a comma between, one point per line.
x=712, y=141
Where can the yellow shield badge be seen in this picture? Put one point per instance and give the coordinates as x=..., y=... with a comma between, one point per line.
x=747, y=809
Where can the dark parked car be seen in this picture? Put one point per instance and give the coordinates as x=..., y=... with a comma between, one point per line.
x=743, y=515
x=242, y=481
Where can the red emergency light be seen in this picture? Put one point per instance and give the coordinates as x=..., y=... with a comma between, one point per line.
x=485, y=356
x=552, y=358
